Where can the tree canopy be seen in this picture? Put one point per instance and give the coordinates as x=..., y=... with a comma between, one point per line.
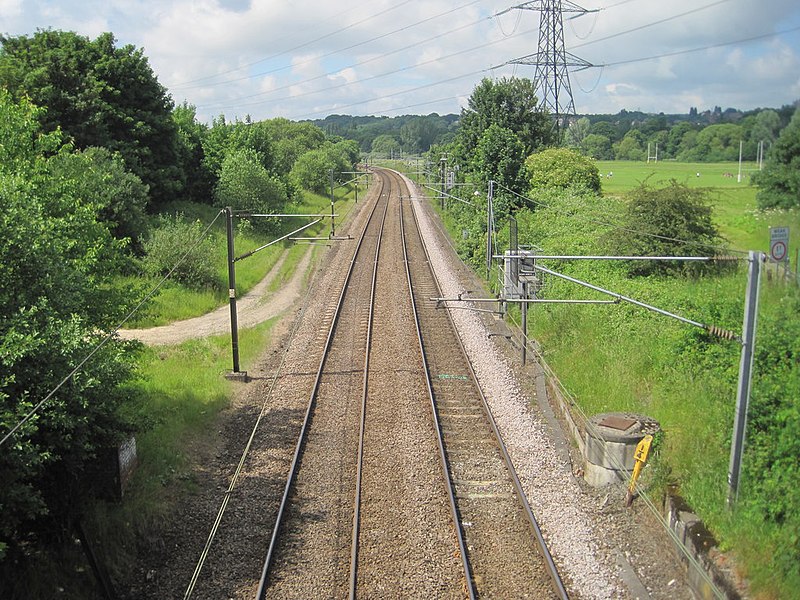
x=56, y=259
x=99, y=95
x=510, y=103
x=780, y=180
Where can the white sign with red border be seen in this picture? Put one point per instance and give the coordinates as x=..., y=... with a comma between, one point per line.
x=779, y=243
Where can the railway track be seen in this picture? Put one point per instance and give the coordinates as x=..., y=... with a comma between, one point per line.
x=400, y=485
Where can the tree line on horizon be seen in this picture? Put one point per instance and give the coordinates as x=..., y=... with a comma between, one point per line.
x=709, y=136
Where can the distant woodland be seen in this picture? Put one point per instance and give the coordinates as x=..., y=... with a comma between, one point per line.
x=696, y=136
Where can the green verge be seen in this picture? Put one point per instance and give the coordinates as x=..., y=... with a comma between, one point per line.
x=624, y=358
x=181, y=392
x=175, y=302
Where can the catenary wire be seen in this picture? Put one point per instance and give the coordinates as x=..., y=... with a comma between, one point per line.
x=110, y=335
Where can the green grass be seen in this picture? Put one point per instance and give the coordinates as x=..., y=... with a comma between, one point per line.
x=181, y=390
x=735, y=209
x=176, y=302
x=621, y=358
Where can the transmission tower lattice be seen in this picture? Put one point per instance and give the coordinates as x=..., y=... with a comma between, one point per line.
x=552, y=61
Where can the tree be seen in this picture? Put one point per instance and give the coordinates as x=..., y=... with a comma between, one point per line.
x=630, y=146
x=95, y=175
x=245, y=184
x=419, y=133
x=562, y=168
x=291, y=140
x=56, y=262
x=511, y=104
x=500, y=156
x=671, y=221
x=576, y=132
x=715, y=143
x=779, y=182
x=598, y=147
x=99, y=95
x=385, y=145
x=191, y=155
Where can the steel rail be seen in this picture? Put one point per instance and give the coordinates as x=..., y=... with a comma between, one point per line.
x=558, y=584
x=263, y=582
x=362, y=426
x=470, y=584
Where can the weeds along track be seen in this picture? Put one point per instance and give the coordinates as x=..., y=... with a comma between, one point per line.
x=399, y=484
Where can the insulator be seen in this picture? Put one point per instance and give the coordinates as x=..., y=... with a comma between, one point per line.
x=723, y=333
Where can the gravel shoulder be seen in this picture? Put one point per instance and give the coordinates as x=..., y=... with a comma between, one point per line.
x=602, y=549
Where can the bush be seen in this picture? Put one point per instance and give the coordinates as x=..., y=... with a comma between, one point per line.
x=671, y=221
x=562, y=168
x=244, y=184
x=169, y=241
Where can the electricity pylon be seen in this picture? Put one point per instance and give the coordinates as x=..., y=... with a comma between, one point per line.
x=552, y=61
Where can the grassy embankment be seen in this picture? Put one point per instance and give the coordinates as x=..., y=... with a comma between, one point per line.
x=181, y=387
x=622, y=358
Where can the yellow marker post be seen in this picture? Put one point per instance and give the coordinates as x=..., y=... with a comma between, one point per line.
x=642, y=450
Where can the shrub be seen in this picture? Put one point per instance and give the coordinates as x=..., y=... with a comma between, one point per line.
x=169, y=241
x=562, y=168
x=671, y=221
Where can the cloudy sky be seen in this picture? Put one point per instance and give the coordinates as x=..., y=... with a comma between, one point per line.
x=306, y=59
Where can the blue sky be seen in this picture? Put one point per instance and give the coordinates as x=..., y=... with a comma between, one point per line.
x=310, y=58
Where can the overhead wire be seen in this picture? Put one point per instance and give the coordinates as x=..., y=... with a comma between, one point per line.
x=304, y=44
x=652, y=24
x=702, y=48
x=109, y=336
x=340, y=50
x=361, y=63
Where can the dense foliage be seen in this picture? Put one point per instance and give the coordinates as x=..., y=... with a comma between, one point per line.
x=247, y=185
x=57, y=255
x=780, y=181
x=176, y=247
x=98, y=95
x=671, y=221
x=510, y=103
x=562, y=168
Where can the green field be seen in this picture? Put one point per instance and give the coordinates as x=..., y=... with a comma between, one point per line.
x=734, y=203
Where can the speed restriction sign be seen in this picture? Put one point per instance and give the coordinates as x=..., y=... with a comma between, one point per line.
x=778, y=243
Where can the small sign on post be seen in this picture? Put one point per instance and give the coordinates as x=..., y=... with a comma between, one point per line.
x=779, y=244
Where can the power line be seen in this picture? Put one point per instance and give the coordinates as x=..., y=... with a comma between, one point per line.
x=109, y=336
x=400, y=93
x=386, y=74
x=353, y=65
x=709, y=47
x=654, y=23
x=339, y=51
x=304, y=44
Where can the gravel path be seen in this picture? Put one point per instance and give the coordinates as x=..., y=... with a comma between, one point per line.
x=255, y=307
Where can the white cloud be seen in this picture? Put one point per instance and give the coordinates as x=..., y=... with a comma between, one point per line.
x=269, y=57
